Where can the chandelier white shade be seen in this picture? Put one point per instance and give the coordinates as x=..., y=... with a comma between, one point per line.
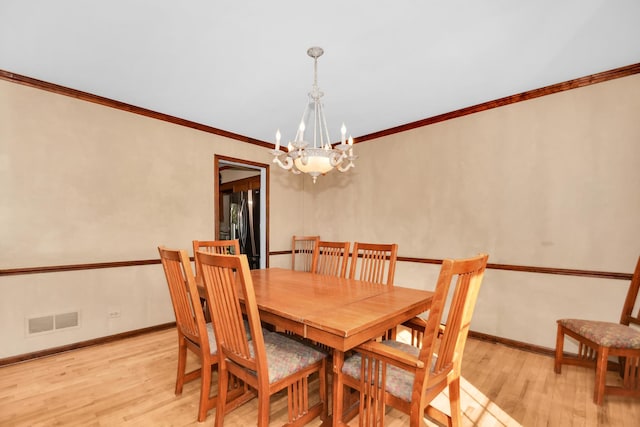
x=314, y=154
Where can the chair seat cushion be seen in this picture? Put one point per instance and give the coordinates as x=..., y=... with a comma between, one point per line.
x=399, y=382
x=247, y=329
x=286, y=356
x=606, y=334
x=213, y=345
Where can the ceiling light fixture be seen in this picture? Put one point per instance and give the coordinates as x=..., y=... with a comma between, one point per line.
x=320, y=157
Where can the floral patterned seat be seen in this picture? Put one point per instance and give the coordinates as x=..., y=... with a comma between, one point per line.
x=286, y=356
x=607, y=334
x=598, y=341
x=399, y=381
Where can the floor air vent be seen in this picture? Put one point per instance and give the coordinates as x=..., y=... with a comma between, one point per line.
x=40, y=324
x=66, y=320
x=53, y=322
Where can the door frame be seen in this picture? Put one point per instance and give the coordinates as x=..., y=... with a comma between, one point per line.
x=264, y=199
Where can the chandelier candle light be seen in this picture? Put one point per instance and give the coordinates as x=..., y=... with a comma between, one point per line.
x=320, y=157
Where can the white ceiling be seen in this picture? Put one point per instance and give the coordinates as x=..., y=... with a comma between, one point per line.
x=242, y=66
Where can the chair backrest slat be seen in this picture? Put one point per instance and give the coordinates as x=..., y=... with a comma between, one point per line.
x=215, y=247
x=374, y=263
x=304, y=249
x=450, y=346
x=332, y=258
x=630, y=302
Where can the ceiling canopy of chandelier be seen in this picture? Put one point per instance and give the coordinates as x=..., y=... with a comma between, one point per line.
x=319, y=156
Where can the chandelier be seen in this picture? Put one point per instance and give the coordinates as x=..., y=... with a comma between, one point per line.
x=314, y=155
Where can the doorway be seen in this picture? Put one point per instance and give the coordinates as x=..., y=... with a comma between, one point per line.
x=241, y=197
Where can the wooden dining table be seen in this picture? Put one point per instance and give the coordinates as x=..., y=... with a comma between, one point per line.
x=338, y=312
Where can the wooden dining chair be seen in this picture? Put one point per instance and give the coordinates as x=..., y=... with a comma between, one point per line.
x=193, y=333
x=598, y=340
x=331, y=259
x=373, y=263
x=303, y=250
x=408, y=378
x=216, y=247
x=267, y=361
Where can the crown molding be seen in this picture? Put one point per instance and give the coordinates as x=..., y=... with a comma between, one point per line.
x=513, y=99
x=85, y=96
x=616, y=73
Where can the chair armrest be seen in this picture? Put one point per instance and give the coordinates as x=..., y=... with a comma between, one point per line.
x=416, y=323
x=390, y=355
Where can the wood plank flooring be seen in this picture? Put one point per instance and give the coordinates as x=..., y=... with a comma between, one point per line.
x=131, y=383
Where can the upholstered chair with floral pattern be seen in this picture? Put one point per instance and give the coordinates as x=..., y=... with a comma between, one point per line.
x=598, y=340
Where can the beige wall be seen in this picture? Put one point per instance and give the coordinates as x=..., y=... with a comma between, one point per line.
x=548, y=182
x=553, y=182
x=84, y=183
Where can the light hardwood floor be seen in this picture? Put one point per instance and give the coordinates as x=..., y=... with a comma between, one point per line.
x=131, y=382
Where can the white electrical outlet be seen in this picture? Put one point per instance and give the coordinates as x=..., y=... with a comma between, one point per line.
x=114, y=312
